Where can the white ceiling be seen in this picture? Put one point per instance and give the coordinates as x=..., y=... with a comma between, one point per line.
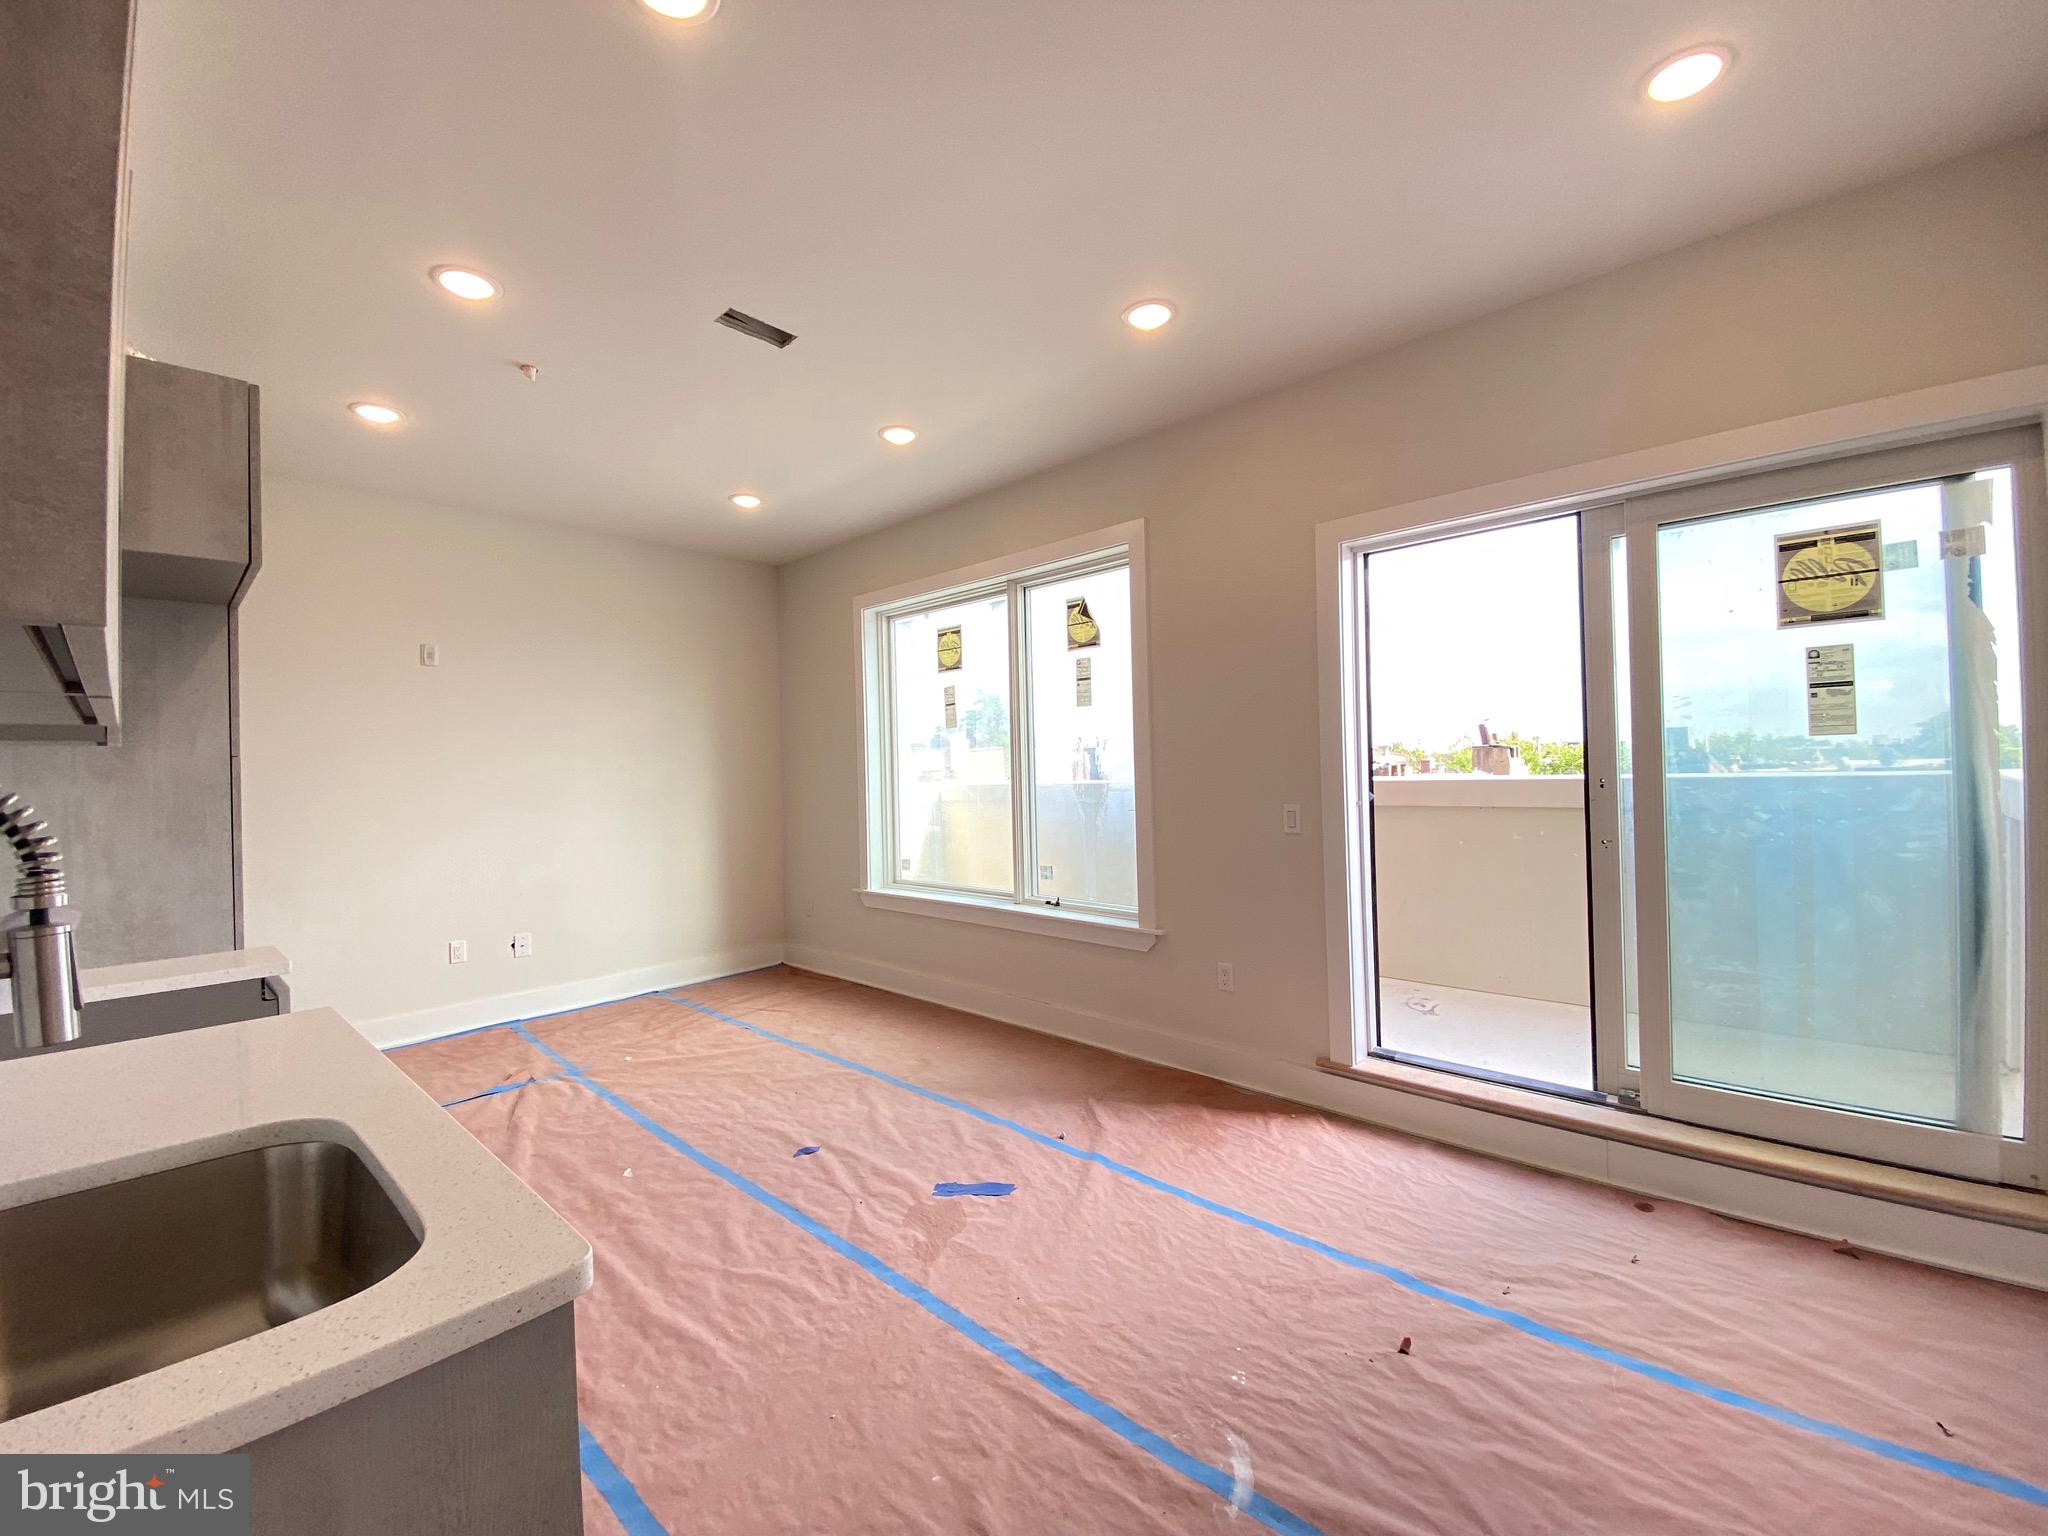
x=949, y=201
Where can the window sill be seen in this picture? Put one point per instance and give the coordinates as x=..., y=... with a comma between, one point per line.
x=1088, y=928
x=1998, y=1203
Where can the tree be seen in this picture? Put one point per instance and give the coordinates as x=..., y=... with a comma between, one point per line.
x=1546, y=756
x=987, y=723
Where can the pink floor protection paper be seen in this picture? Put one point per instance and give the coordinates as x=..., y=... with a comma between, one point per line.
x=869, y=1265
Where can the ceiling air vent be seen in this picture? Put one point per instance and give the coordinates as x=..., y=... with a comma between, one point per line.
x=760, y=330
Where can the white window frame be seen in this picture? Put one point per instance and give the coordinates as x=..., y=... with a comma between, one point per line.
x=1120, y=545
x=2015, y=399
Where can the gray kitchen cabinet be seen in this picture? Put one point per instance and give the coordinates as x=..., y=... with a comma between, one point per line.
x=63, y=118
x=189, y=484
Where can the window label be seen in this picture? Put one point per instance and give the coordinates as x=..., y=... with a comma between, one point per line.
x=1965, y=543
x=1831, y=690
x=1084, y=681
x=950, y=649
x=1830, y=574
x=1082, y=630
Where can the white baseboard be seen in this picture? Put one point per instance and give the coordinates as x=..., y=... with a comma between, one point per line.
x=1880, y=1226
x=453, y=1018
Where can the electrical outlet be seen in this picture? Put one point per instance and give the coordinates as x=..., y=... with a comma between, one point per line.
x=522, y=946
x=1290, y=820
x=1226, y=976
x=458, y=951
x=430, y=655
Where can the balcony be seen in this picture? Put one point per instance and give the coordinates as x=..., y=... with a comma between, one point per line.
x=1480, y=884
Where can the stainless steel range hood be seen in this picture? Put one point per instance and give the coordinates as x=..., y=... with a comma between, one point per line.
x=57, y=681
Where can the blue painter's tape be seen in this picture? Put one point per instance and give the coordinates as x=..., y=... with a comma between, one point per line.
x=615, y=1488
x=1891, y=1450
x=492, y=1093
x=1274, y=1517
x=804, y=1152
x=989, y=1188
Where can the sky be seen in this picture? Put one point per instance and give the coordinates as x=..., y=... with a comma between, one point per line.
x=1480, y=627
x=1485, y=626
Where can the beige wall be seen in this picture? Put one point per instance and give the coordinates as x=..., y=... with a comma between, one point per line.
x=594, y=761
x=1933, y=277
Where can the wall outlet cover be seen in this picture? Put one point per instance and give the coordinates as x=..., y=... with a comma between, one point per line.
x=1226, y=976
x=458, y=951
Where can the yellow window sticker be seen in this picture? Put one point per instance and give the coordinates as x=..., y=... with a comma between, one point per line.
x=1830, y=574
x=1082, y=630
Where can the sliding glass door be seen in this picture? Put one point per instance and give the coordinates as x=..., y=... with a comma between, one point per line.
x=1713, y=802
x=1833, y=905
x=1474, y=668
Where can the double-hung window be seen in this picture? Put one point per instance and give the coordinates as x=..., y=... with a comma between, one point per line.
x=1006, y=744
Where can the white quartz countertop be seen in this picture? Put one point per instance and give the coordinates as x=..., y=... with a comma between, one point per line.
x=493, y=1256
x=144, y=977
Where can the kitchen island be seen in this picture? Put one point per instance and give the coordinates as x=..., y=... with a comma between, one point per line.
x=262, y=1236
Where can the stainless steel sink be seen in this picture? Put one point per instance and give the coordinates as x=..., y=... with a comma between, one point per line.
x=109, y=1283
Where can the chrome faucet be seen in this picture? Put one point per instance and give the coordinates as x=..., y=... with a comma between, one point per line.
x=39, y=957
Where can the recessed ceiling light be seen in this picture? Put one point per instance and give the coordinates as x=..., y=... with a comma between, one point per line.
x=376, y=415
x=683, y=10
x=465, y=284
x=1148, y=315
x=744, y=501
x=1687, y=75
x=899, y=437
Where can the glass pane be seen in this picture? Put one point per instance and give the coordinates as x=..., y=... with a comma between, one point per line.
x=952, y=730
x=1842, y=820
x=1476, y=716
x=1084, y=795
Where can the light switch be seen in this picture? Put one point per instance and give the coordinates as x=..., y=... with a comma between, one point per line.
x=430, y=655
x=1290, y=819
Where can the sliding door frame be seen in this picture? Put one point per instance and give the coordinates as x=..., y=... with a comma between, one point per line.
x=1357, y=1025
x=1985, y=1156
x=1598, y=705
x=2017, y=398
x=1607, y=891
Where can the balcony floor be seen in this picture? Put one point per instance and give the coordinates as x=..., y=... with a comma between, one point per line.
x=1521, y=1036
x=1551, y=1043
